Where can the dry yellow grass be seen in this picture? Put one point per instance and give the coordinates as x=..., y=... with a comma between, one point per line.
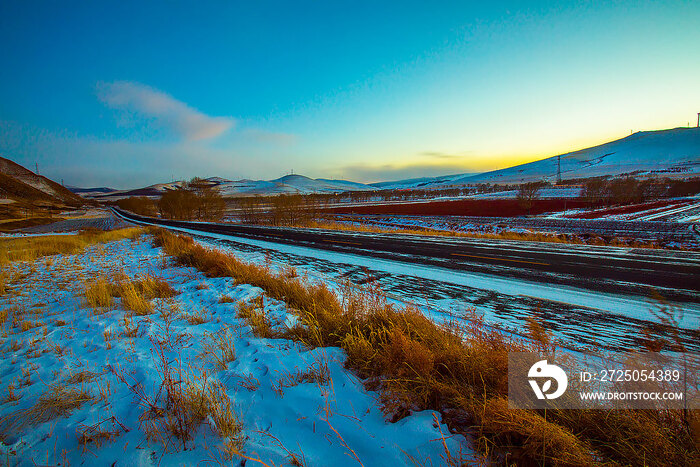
x=59, y=401
x=98, y=293
x=154, y=287
x=417, y=364
x=256, y=318
x=130, y=330
x=136, y=294
x=185, y=400
x=204, y=400
x=3, y=280
x=220, y=348
x=31, y=248
x=11, y=395
x=134, y=300
x=82, y=377
x=197, y=317
x=318, y=373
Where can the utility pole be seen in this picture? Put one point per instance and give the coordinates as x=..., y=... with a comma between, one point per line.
x=559, y=170
x=36, y=164
x=698, y=120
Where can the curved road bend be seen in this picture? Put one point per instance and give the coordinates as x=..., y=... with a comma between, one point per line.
x=674, y=274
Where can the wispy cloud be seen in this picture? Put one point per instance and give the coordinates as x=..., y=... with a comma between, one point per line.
x=438, y=155
x=84, y=160
x=168, y=112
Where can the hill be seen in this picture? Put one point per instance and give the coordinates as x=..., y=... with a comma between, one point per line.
x=80, y=191
x=289, y=184
x=670, y=153
x=421, y=183
x=23, y=185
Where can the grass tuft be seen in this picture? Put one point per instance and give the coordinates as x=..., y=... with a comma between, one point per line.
x=257, y=319
x=58, y=402
x=197, y=317
x=134, y=300
x=98, y=293
x=220, y=348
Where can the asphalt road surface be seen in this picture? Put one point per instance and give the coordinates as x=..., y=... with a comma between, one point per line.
x=674, y=275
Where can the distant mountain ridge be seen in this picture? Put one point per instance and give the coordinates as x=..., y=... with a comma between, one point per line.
x=102, y=189
x=288, y=184
x=21, y=184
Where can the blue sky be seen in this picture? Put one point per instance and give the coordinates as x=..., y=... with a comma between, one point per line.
x=131, y=93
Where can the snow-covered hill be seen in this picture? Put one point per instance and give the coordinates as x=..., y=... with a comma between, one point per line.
x=289, y=184
x=90, y=191
x=670, y=153
x=420, y=183
x=24, y=185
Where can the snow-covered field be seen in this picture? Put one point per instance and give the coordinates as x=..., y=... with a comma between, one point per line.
x=668, y=234
x=675, y=210
x=294, y=405
x=543, y=193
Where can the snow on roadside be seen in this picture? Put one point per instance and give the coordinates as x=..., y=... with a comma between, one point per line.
x=24, y=234
x=332, y=421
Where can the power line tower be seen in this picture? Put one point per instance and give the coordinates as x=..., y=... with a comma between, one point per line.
x=558, y=170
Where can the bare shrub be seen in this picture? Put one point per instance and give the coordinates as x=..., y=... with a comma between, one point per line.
x=528, y=193
x=197, y=199
x=182, y=403
x=96, y=434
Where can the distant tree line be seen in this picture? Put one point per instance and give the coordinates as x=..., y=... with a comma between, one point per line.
x=602, y=191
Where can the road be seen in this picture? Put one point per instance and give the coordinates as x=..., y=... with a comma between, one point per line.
x=672, y=274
